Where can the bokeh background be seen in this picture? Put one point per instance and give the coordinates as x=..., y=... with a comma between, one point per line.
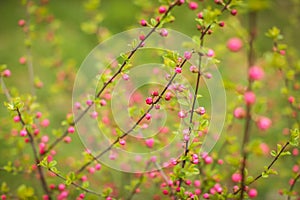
x=64, y=32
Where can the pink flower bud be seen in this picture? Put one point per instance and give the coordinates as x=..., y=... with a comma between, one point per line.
x=263, y=123
x=149, y=100
x=21, y=22
x=22, y=60
x=181, y=114
x=178, y=70
x=148, y=116
x=16, y=118
x=149, y=142
x=252, y=193
x=193, y=5
x=236, y=177
x=143, y=22
x=98, y=166
x=193, y=69
x=249, y=97
x=239, y=113
x=67, y=139
x=23, y=133
x=164, y=32
x=256, y=73
x=71, y=129
x=122, y=142
x=234, y=44
x=162, y=9
x=188, y=55
x=125, y=77
x=210, y=53
x=233, y=12
x=6, y=73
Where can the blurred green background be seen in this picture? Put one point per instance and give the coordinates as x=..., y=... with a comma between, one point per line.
x=73, y=41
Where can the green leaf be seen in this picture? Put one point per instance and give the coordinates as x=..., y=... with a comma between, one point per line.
x=52, y=163
x=55, y=170
x=257, y=5
x=294, y=137
x=25, y=192
x=249, y=179
x=272, y=171
x=106, y=192
x=3, y=67
x=273, y=153
x=4, y=187
x=274, y=34
x=153, y=22
x=264, y=175
x=85, y=184
x=44, y=162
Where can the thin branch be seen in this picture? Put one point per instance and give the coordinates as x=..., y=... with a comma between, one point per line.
x=269, y=167
x=139, y=183
x=29, y=51
x=106, y=84
x=135, y=125
x=76, y=185
x=203, y=34
x=36, y=157
x=162, y=173
x=247, y=127
x=293, y=185
x=4, y=88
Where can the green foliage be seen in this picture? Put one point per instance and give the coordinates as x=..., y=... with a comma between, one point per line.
x=294, y=137
x=70, y=178
x=26, y=193
x=267, y=172
x=4, y=188
x=258, y=5
x=274, y=34
x=15, y=104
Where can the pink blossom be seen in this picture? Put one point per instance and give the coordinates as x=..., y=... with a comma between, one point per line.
x=263, y=123
x=249, y=97
x=149, y=142
x=210, y=53
x=256, y=73
x=234, y=44
x=239, y=113
x=236, y=177
x=193, y=5
x=252, y=193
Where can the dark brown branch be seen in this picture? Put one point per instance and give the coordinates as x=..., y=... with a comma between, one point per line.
x=293, y=185
x=247, y=127
x=269, y=167
x=36, y=157
x=76, y=185
x=106, y=84
x=134, y=126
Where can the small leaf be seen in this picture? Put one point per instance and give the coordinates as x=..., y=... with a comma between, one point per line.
x=273, y=153
x=264, y=175
x=52, y=163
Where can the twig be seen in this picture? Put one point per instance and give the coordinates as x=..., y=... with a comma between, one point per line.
x=113, y=77
x=75, y=184
x=203, y=34
x=135, y=125
x=29, y=51
x=162, y=173
x=269, y=167
x=35, y=154
x=293, y=185
x=251, y=60
x=139, y=183
x=4, y=88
